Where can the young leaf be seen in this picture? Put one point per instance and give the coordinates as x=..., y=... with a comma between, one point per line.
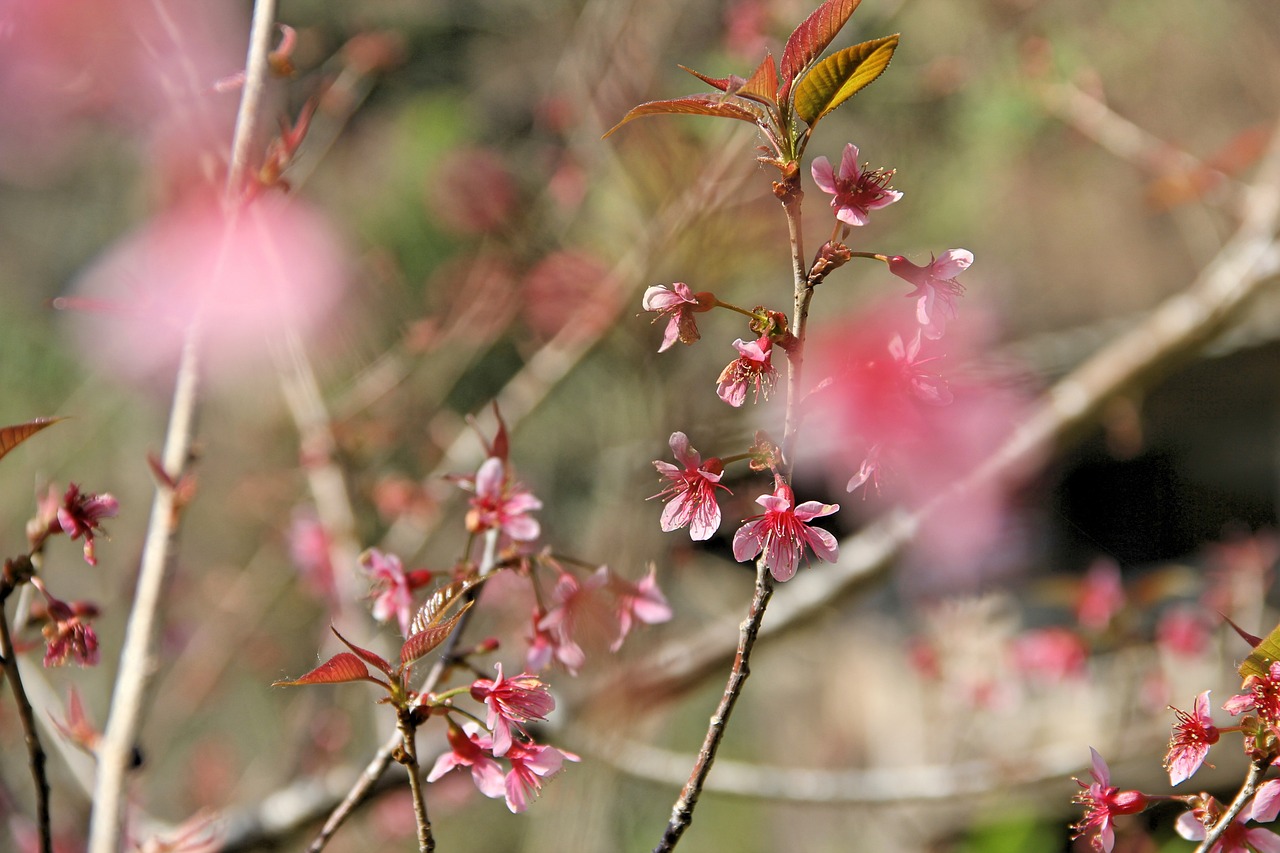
x=12, y=436
x=842, y=75
x=433, y=609
x=811, y=38
x=340, y=668
x=760, y=86
x=371, y=658
x=1265, y=652
x=699, y=105
x=425, y=640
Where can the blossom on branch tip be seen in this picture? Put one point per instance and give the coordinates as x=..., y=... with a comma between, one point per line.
x=754, y=367
x=512, y=702
x=1103, y=802
x=691, y=492
x=782, y=533
x=678, y=304
x=1192, y=736
x=500, y=503
x=936, y=287
x=68, y=634
x=81, y=515
x=856, y=191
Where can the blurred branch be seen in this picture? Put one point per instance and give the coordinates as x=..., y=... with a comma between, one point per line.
x=137, y=655
x=35, y=752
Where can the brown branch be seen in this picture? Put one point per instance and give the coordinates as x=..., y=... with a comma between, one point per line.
x=35, y=752
x=1257, y=767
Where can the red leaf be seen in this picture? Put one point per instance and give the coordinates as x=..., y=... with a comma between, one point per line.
x=424, y=641
x=371, y=658
x=12, y=436
x=811, y=38
x=762, y=85
x=702, y=105
x=433, y=609
x=340, y=668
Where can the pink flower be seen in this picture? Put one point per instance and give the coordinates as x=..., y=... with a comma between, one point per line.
x=1049, y=655
x=679, y=304
x=638, y=602
x=309, y=544
x=936, y=287
x=1103, y=802
x=857, y=192
x=1239, y=837
x=1263, y=697
x=752, y=367
x=691, y=492
x=868, y=471
x=1101, y=595
x=81, y=514
x=579, y=614
x=530, y=764
x=512, y=702
x=1193, y=734
x=782, y=533
x=925, y=386
x=500, y=503
x=1182, y=631
x=469, y=748
x=393, y=587
x=68, y=634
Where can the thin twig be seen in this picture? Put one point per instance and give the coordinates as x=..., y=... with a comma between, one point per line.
x=1257, y=767
x=404, y=722
x=137, y=653
x=35, y=752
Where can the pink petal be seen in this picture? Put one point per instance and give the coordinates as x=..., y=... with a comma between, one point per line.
x=1266, y=802
x=823, y=176
x=810, y=510
x=952, y=263
x=849, y=171
x=747, y=541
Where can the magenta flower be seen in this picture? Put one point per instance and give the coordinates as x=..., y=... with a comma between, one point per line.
x=1263, y=697
x=1192, y=736
x=857, y=191
x=638, y=602
x=530, y=764
x=512, y=702
x=691, y=492
x=67, y=632
x=1239, y=837
x=752, y=367
x=936, y=287
x=81, y=515
x=1103, y=802
x=782, y=533
x=470, y=748
x=679, y=304
x=392, y=587
x=500, y=503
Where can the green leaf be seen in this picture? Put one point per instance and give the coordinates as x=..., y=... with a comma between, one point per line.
x=425, y=640
x=701, y=105
x=338, y=669
x=1265, y=653
x=12, y=436
x=811, y=38
x=842, y=75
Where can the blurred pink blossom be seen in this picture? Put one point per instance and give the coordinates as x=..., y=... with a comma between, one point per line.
x=249, y=275
x=1101, y=595
x=1049, y=654
x=1182, y=631
x=936, y=287
x=637, y=602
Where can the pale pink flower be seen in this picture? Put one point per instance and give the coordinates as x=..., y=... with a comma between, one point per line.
x=857, y=191
x=392, y=587
x=753, y=367
x=1239, y=837
x=512, y=702
x=1103, y=802
x=936, y=287
x=1192, y=736
x=1182, y=631
x=82, y=514
x=530, y=764
x=309, y=545
x=925, y=385
x=678, y=304
x=691, y=492
x=1049, y=655
x=638, y=602
x=500, y=503
x=469, y=748
x=579, y=613
x=1101, y=595
x=782, y=533
x=868, y=471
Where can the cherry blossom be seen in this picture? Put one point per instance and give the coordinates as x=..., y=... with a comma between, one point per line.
x=936, y=287
x=393, y=587
x=468, y=747
x=512, y=702
x=579, y=613
x=1101, y=595
x=1192, y=736
x=782, y=533
x=753, y=367
x=856, y=191
x=530, y=764
x=1239, y=837
x=1263, y=697
x=679, y=305
x=1103, y=802
x=638, y=602
x=925, y=386
x=81, y=515
x=691, y=492
x=68, y=634
x=500, y=503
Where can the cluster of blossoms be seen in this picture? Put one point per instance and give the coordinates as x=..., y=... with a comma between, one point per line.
x=784, y=533
x=1194, y=734
x=496, y=745
x=65, y=625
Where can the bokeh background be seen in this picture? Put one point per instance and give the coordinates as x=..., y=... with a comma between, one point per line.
x=493, y=246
